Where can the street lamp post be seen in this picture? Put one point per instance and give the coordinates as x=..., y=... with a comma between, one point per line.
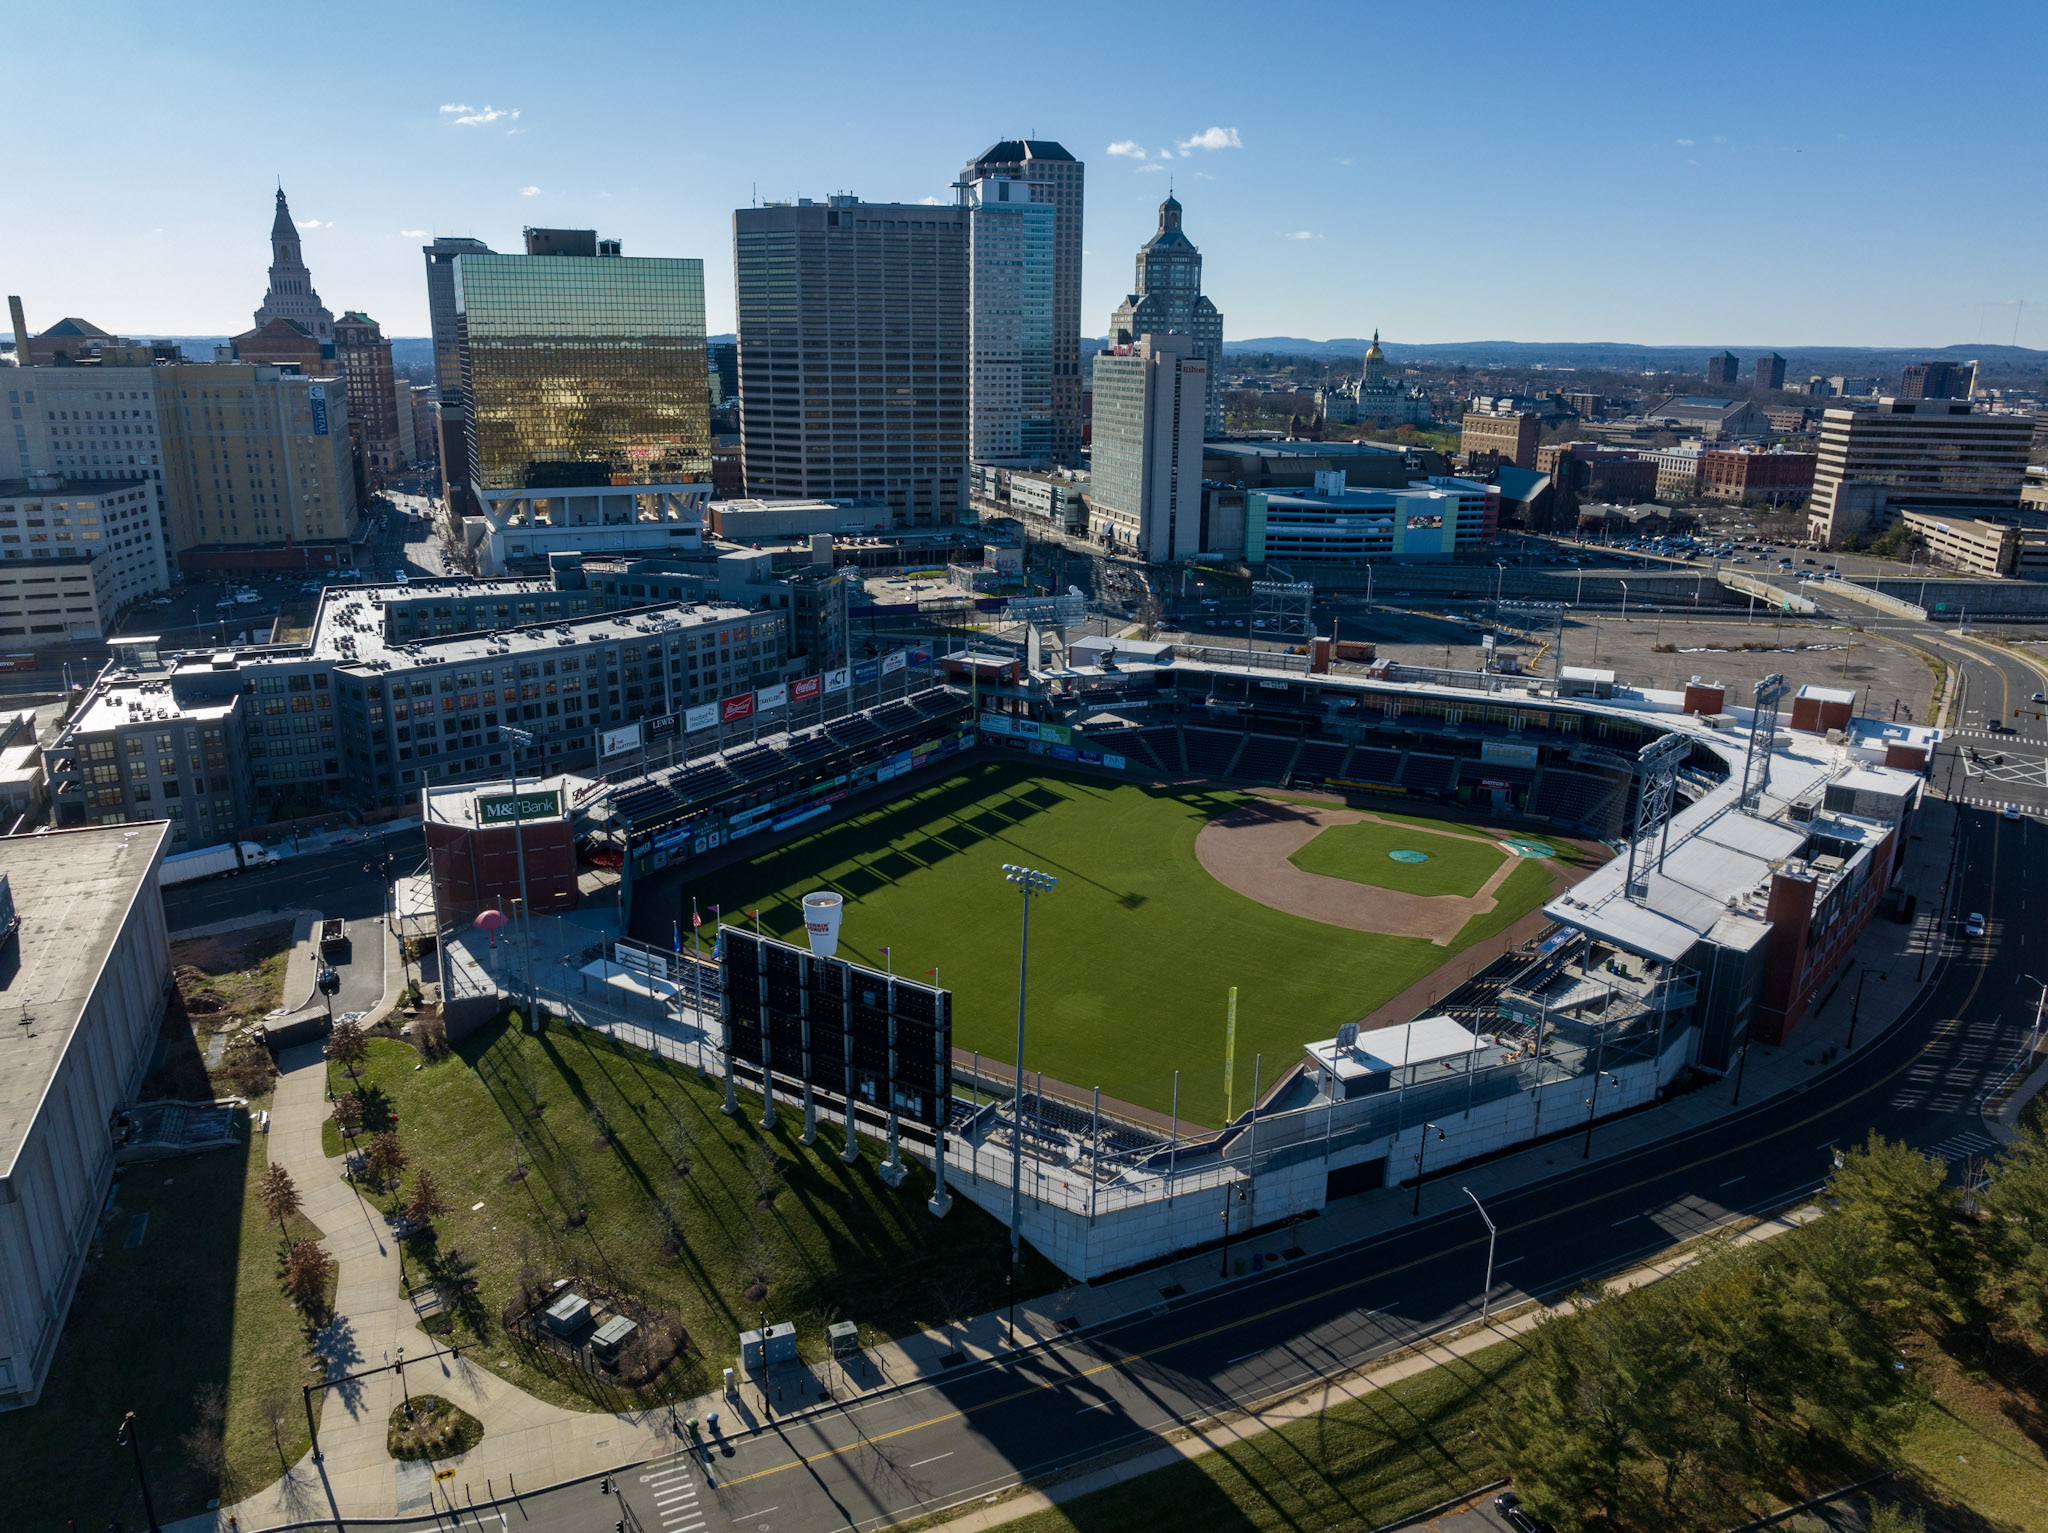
x=1486, y=1294
x=1029, y=881
x=1592, y=1108
x=1856, y=1006
x=1421, y=1145
x=131, y=1439
x=1228, y=1189
x=1624, y=599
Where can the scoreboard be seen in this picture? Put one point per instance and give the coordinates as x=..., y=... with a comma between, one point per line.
x=873, y=1039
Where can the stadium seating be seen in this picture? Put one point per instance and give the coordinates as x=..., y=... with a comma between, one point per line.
x=1320, y=758
x=1575, y=798
x=1162, y=744
x=1264, y=759
x=1428, y=774
x=1209, y=751
x=1370, y=764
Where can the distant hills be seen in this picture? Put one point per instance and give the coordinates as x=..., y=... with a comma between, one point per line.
x=1624, y=356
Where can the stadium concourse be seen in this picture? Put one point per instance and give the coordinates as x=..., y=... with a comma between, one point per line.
x=1748, y=852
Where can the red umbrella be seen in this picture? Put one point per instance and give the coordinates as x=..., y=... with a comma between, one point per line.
x=489, y=921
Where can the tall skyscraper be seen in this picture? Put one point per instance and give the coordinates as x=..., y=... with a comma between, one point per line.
x=1938, y=380
x=586, y=403
x=1054, y=176
x=1722, y=369
x=853, y=354
x=1169, y=301
x=1010, y=283
x=451, y=440
x=1146, y=484
x=1924, y=454
x=1770, y=373
x=364, y=357
x=291, y=294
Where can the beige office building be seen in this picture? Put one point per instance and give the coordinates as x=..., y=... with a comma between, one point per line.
x=256, y=459
x=1924, y=454
x=1150, y=400
x=1512, y=435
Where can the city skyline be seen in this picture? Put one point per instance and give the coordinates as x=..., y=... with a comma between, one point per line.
x=1708, y=194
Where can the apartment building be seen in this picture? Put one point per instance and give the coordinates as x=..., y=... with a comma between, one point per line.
x=1150, y=403
x=1751, y=477
x=69, y=564
x=93, y=425
x=1512, y=436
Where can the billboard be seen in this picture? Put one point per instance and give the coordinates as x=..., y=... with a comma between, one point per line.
x=776, y=696
x=738, y=707
x=893, y=662
x=663, y=728
x=316, y=396
x=921, y=656
x=804, y=688
x=853, y=1033
x=705, y=717
x=838, y=679
x=505, y=808
x=865, y=671
x=1504, y=753
x=1056, y=734
x=616, y=742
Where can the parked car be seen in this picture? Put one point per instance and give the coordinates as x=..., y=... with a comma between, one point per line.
x=1974, y=926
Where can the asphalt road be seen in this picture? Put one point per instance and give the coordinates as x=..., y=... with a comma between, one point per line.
x=348, y=883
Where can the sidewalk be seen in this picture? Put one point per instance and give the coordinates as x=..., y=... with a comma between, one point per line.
x=531, y=1445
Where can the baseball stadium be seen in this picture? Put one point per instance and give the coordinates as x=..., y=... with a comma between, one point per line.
x=1355, y=898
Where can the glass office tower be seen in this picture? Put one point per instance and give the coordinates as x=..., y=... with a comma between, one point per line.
x=583, y=369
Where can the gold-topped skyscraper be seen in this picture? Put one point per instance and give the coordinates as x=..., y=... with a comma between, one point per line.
x=587, y=417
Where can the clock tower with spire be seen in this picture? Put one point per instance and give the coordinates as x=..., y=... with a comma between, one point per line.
x=291, y=296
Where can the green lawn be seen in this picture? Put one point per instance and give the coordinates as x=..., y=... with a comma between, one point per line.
x=1132, y=956
x=197, y=1303
x=1362, y=853
x=1362, y=1464
x=833, y=1243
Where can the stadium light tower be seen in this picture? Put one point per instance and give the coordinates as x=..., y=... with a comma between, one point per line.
x=1031, y=882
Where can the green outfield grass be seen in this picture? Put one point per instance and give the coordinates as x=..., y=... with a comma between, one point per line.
x=1362, y=854
x=1132, y=956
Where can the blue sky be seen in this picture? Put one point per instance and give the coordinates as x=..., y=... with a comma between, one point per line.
x=1770, y=174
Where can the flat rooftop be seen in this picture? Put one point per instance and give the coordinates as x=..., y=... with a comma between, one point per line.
x=457, y=805
x=72, y=890
x=145, y=699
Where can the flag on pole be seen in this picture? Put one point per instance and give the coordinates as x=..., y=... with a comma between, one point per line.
x=678, y=935
x=696, y=920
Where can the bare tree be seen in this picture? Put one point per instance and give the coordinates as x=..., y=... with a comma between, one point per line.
x=279, y=1195
x=671, y=1230
x=307, y=1268
x=764, y=1172
x=386, y=1158
x=274, y=1405
x=347, y=1047
x=348, y=1113
x=423, y=1203
x=205, y=1441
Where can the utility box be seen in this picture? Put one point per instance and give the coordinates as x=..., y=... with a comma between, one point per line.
x=845, y=1337
x=611, y=1336
x=781, y=1341
x=753, y=1352
x=9, y=921
x=569, y=1316
x=333, y=939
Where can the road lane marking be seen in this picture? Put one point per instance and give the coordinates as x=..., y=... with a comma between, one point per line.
x=933, y=1459
x=764, y=1511
x=1246, y=1358
x=1733, y=1180
x=1099, y=1405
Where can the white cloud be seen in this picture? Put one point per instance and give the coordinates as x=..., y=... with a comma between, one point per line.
x=1720, y=138
x=1128, y=148
x=1213, y=138
x=1160, y=168
x=412, y=234
x=472, y=117
x=529, y=191
x=931, y=202
x=1303, y=234
x=1685, y=143
x=1342, y=161
x=1166, y=154
x=1203, y=175
x=314, y=223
